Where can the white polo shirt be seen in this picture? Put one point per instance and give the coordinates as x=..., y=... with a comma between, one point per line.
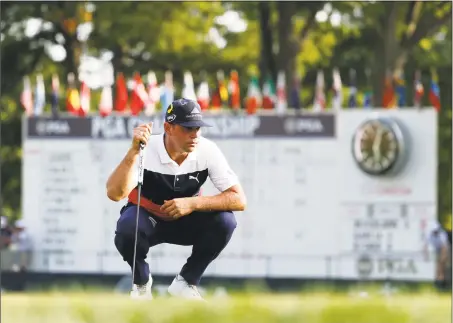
x=439, y=240
x=164, y=179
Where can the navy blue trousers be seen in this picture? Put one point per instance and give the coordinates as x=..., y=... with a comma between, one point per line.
x=208, y=233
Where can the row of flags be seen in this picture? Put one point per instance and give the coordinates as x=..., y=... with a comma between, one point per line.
x=135, y=97
x=395, y=96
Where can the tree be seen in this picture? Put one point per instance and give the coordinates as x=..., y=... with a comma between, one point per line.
x=393, y=30
x=19, y=57
x=287, y=29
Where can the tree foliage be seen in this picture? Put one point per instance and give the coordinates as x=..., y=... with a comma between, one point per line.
x=391, y=32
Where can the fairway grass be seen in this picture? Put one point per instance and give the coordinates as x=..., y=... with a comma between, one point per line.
x=254, y=308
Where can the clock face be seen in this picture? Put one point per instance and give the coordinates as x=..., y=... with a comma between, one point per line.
x=376, y=147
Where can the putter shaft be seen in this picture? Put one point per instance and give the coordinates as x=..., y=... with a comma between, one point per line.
x=139, y=187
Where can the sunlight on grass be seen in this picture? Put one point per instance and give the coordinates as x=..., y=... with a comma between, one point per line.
x=313, y=307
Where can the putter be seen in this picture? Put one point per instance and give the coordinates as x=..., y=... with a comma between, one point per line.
x=139, y=187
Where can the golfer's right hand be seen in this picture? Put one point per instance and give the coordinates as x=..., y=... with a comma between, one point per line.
x=141, y=135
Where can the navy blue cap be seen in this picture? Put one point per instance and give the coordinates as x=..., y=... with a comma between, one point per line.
x=186, y=113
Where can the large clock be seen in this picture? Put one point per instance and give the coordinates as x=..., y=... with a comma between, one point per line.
x=378, y=146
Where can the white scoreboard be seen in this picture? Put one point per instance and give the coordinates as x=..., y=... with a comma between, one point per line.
x=344, y=195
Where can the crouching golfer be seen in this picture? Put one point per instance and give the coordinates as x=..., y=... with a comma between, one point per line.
x=177, y=163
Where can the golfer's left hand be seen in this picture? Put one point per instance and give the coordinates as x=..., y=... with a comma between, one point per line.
x=177, y=208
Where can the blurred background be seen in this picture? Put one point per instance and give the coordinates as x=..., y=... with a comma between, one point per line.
x=335, y=115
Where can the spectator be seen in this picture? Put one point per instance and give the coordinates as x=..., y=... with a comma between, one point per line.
x=438, y=240
x=5, y=233
x=21, y=244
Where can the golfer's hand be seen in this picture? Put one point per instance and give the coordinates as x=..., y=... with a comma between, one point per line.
x=177, y=208
x=141, y=135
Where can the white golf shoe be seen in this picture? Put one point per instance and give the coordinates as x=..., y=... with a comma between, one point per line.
x=143, y=292
x=180, y=288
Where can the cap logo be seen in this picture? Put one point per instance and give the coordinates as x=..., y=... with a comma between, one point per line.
x=195, y=110
x=170, y=109
x=171, y=118
x=194, y=116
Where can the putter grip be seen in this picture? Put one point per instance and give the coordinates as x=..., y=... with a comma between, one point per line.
x=141, y=164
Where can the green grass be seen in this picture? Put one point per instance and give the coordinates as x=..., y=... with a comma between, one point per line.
x=314, y=307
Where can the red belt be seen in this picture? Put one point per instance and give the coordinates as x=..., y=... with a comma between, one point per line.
x=147, y=205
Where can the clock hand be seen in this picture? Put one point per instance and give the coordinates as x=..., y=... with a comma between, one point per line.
x=377, y=143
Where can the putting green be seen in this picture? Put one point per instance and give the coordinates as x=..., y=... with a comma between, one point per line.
x=312, y=308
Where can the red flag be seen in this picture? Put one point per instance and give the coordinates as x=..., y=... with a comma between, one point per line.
x=139, y=95
x=388, y=98
x=203, y=95
x=234, y=91
x=216, y=102
x=85, y=98
x=26, y=98
x=269, y=95
x=121, y=93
